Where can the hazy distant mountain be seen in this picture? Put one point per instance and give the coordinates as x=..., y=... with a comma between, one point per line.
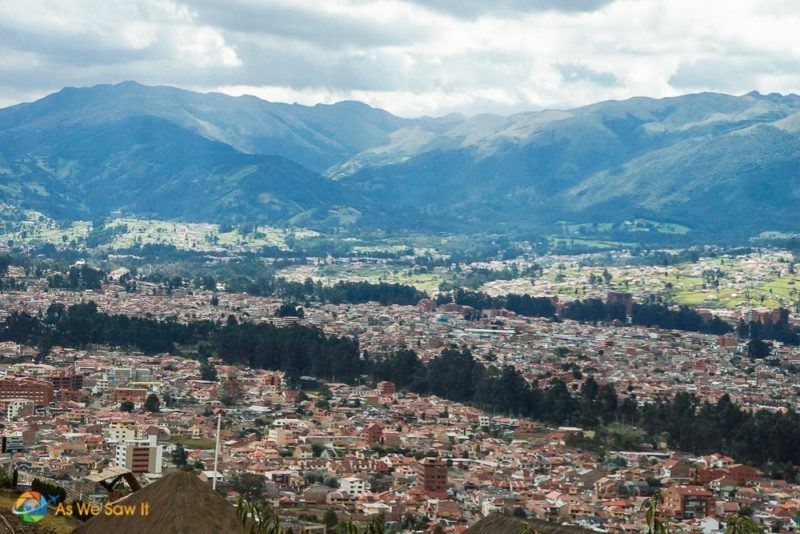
x=716, y=163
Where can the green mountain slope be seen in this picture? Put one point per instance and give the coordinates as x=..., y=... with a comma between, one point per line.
x=724, y=166
x=151, y=167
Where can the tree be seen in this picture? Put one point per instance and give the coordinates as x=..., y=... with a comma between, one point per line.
x=126, y=406
x=330, y=519
x=179, y=456
x=208, y=371
x=757, y=348
x=346, y=527
x=288, y=309
x=248, y=485
x=258, y=518
x=152, y=404
x=741, y=524
x=655, y=524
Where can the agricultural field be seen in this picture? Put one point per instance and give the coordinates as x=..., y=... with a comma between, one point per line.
x=194, y=444
x=357, y=271
x=124, y=233
x=760, y=280
x=38, y=229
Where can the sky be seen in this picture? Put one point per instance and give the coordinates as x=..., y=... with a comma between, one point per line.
x=412, y=57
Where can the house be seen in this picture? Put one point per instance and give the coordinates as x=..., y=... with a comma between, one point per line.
x=316, y=493
x=353, y=486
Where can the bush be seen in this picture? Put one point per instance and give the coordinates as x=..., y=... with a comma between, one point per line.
x=50, y=490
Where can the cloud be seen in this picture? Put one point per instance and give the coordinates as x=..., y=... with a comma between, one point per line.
x=412, y=57
x=733, y=73
x=575, y=73
x=476, y=8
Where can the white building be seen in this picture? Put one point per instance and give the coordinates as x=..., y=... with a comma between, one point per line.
x=19, y=408
x=353, y=486
x=140, y=456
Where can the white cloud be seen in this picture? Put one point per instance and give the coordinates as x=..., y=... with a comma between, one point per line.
x=410, y=57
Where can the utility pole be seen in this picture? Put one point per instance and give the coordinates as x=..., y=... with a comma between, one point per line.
x=216, y=452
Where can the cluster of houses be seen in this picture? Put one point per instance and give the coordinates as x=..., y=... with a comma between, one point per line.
x=357, y=450
x=421, y=461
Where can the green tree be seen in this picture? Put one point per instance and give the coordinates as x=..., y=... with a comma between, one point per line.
x=258, y=518
x=248, y=485
x=126, y=406
x=330, y=519
x=757, y=348
x=741, y=523
x=179, y=456
x=652, y=508
x=208, y=371
x=152, y=404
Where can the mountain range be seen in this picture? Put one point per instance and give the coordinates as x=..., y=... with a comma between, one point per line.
x=721, y=165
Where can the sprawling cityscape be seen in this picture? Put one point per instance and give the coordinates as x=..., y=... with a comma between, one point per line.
x=425, y=453
x=399, y=267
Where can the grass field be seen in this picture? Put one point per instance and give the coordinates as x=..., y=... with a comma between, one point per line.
x=38, y=229
x=58, y=524
x=203, y=443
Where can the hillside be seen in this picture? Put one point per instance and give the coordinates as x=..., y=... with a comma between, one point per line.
x=715, y=163
x=726, y=167
x=154, y=168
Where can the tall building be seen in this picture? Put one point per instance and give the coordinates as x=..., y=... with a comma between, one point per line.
x=386, y=389
x=17, y=408
x=434, y=476
x=688, y=502
x=39, y=391
x=136, y=396
x=140, y=456
x=64, y=380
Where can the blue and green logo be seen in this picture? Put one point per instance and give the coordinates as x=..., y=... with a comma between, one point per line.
x=30, y=506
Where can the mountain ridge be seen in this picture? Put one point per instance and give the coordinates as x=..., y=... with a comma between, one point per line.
x=716, y=163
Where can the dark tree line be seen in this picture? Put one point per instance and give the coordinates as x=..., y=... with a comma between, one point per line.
x=78, y=278
x=340, y=293
x=763, y=438
x=295, y=349
x=298, y=350
x=775, y=331
x=82, y=325
x=521, y=304
x=593, y=310
x=683, y=318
